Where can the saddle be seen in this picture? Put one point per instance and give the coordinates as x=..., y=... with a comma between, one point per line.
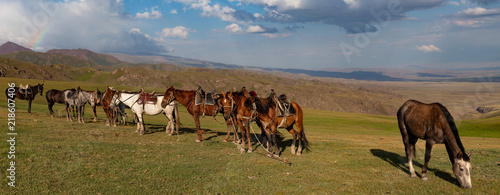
x=147, y=98
x=285, y=109
x=201, y=96
x=25, y=89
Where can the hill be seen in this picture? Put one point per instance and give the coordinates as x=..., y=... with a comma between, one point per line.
x=10, y=47
x=84, y=54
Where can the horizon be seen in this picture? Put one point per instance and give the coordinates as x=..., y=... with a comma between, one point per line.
x=314, y=35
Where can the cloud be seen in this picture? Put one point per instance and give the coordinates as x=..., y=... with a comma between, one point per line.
x=173, y=11
x=477, y=17
x=485, y=2
x=355, y=16
x=479, y=11
x=428, y=48
x=153, y=14
x=234, y=28
x=225, y=13
x=178, y=31
x=98, y=25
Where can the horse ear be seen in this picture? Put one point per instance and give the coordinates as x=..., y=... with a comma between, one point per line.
x=470, y=153
x=223, y=94
x=460, y=155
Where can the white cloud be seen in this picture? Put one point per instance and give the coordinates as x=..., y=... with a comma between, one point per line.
x=234, y=28
x=428, y=48
x=178, y=31
x=97, y=25
x=153, y=14
x=255, y=29
x=478, y=11
x=173, y=11
x=225, y=13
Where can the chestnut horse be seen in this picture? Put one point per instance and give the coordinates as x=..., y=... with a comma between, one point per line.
x=434, y=124
x=233, y=108
x=107, y=105
x=25, y=96
x=187, y=98
x=270, y=121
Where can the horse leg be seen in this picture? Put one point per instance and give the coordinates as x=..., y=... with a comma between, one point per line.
x=51, y=104
x=169, y=129
x=29, y=105
x=275, y=142
x=410, y=153
x=228, y=130
x=94, y=109
x=428, y=147
x=294, y=134
x=140, y=124
x=198, y=130
x=68, y=117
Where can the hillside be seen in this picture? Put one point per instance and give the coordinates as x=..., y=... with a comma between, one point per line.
x=84, y=54
x=308, y=93
x=51, y=59
x=10, y=47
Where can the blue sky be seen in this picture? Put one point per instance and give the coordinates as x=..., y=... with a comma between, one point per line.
x=309, y=34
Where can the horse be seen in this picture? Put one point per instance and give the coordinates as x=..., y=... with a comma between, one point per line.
x=107, y=105
x=187, y=98
x=434, y=124
x=96, y=98
x=143, y=106
x=55, y=96
x=269, y=120
x=26, y=96
x=82, y=97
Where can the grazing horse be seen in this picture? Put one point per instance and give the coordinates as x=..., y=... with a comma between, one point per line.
x=150, y=106
x=187, y=98
x=30, y=96
x=434, y=124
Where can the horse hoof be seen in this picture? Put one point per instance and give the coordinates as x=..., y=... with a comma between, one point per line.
x=299, y=153
x=425, y=179
x=250, y=151
x=269, y=155
x=225, y=140
x=242, y=150
x=413, y=176
x=198, y=140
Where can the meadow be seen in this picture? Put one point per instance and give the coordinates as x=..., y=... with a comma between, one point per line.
x=350, y=153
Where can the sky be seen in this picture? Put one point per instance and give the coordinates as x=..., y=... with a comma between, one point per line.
x=307, y=34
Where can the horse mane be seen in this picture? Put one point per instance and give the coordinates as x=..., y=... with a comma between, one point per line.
x=453, y=127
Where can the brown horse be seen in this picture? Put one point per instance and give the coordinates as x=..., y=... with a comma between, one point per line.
x=233, y=108
x=187, y=98
x=270, y=120
x=227, y=103
x=26, y=96
x=108, y=105
x=434, y=124
x=55, y=96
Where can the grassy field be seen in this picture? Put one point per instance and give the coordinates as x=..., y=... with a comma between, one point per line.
x=351, y=153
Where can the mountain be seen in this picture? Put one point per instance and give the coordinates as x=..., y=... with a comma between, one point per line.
x=176, y=60
x=9, y=47
x=51, y=59
x=84, y=54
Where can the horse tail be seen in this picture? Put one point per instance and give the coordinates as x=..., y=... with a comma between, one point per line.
x=306, y=142
x=402, y=126
x=176, y=117
x=453, y=127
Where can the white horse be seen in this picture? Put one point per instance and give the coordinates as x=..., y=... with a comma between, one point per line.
x=131, y=100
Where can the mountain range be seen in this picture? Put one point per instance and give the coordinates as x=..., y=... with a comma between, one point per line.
x=113, y=61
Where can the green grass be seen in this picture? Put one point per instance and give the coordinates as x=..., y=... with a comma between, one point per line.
x=351, y=154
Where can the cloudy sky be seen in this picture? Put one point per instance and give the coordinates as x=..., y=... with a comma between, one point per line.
x=310, y=34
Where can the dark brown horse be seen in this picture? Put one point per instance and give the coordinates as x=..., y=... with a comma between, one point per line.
x=108, y=105
x=26, y=96
x=434, y=124
x=227, y=103
x=187, y=98
x=55, y=96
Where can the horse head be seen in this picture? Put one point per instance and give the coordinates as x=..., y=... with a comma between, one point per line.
x=227, y=102
x=40, y=88
x=98, y=97
x=168, y=97
x=462, y=168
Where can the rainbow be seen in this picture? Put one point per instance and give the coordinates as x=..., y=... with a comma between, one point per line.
x=38, y=38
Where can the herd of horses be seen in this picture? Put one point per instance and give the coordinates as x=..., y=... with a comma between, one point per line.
x=416, y=120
